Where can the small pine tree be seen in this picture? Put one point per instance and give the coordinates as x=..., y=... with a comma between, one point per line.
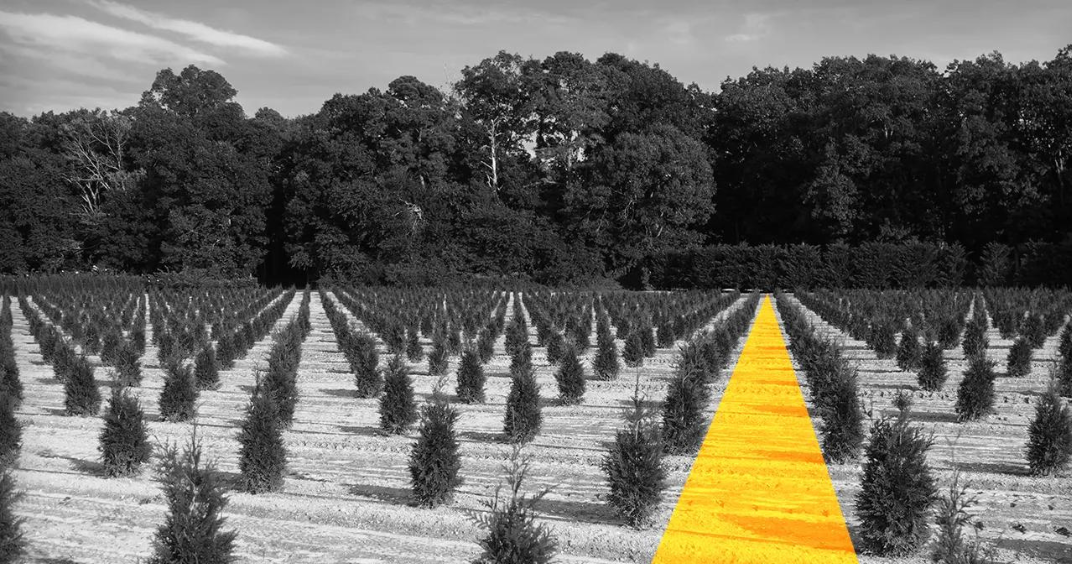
x=226, y=352
x=454, y=340
x=394, y=338
x=951, y=517
x=1049, y=444
x=12, y=541
x=434, y=462
x=1064, y=343
x=414, y=352
x=124, y=441
x=206, y=370
x=438, y=359
x=166, y=348
x=128, y=365
x=137, y=339
x=683, y=411
x=367, y=376
x=194, y=492
x=948, y=332
x=178, y=398
x=1033, y=330
x=516, y=335
x=109, y=346
x=514, y=536
x=10, y=430
x=605, y=365
x=521, y=359
x=281, y=378
x=262, y=456
x=633, y=354
x=523, y=417
x=909, y=352
x=82, y=396
x=398, y=410
x=975, y=342
x=883, y=339
x=975, y=396
x=64, y=361
x=634, y=467
x=570, y=378
x=471, y=378
x=556, y=346
x=897, y=488
x=1064, y=377
x=932, y=370
x=1018, y=363
x=647, y=338
x=841, y=430
x=903, y=401
x=485, y=345
x=10, y=383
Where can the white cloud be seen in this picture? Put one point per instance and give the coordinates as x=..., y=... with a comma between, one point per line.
x=755, y=27
x=73, y=34
x=194, y=30
x=679, y=32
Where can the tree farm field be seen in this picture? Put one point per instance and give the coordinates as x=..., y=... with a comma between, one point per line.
x=346, y=493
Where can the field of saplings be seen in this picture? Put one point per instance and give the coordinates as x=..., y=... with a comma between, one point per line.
x=350, y=424
x=141, y=422
x=944, y=418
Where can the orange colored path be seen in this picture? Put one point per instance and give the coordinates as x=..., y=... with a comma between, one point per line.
x=759, y=490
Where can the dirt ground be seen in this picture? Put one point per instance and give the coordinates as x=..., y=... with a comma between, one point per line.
x=346, y=497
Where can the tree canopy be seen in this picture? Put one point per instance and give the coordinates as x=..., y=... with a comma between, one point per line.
x=556, y=169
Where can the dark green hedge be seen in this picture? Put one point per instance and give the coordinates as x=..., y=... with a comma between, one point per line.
x=871, y=265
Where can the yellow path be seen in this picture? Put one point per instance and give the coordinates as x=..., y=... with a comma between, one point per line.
x=759, y=490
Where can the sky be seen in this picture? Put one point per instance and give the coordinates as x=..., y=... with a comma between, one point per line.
x=292, y=56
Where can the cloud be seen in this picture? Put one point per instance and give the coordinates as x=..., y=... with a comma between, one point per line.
x=455, y=13
x=191, y=29
x=755, y=27
x=73, y=34
x=679, y=32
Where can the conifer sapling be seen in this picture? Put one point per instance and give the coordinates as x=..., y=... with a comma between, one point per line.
x=124, y=440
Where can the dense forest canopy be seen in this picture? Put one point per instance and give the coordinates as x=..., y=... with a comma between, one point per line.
x=558, y=169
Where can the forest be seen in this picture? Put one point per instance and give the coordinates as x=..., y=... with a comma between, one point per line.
x=560, y=170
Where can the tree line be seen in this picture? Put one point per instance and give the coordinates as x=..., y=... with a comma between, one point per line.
x=558, y=169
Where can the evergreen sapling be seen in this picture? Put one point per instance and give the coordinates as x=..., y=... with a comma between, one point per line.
x=194, y=493
x=513, y=535
x=471, y=378
x=523, y=417
x=434, y=462
x=1049, y=444
x=975, y=396
x=897, y=488
x=570, y=378
x=1018, y=363
x=262, y=456
x=124, y=440
x=932, y=370
x=178, y=398
x=398, y=409
x=81, y=394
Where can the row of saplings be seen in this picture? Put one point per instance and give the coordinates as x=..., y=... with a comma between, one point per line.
x=898, y=489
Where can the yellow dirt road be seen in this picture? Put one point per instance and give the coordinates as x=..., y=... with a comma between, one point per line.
x=759, y=490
